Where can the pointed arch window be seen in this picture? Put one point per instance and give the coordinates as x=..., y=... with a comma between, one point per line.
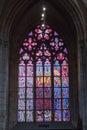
x=43, y=78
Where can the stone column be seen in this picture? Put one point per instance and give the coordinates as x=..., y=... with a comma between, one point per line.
x=3, y=84
x=83, y=85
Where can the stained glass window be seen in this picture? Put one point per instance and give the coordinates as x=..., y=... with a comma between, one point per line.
x=43, y=78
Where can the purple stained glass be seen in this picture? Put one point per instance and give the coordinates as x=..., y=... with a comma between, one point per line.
x=57, y=104
x=39, y=92
x=56, y=70
x=66, y=115
x=65, y=81
x=21, y=116
x=64, y=70
x=65, y=103
x=47, y=92
x=47, y=116
x=65, y=92
x=21, y=70
x=29, y=81
x=21, y=104
x=29, y=116
x=39, y=104
x=21, y=82
x=39, y=71
x=57, y=115
x=39, y=81
x=57, y=92
x=47, y=104
x=47, y=70
x=29, y=92
x=57, y=82
x=29, y=70
x=55, y=33
x=21, y=92
x=39, y=116
x=47, y=81
x=30, y=104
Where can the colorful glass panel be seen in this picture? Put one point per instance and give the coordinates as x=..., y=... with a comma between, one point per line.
x=21, y=116
x=47, y=81
x=66, y=115
x=57, y=104
x=47, y=92
x=21, y=81
x=39, y=116
x=43, y=78
x=39, y=81
x=57, y=115
x=29, y=104
x=39, y=71
x=57, y=82
x=21, y=93
x=47, y=116
x=39, y=92
x=29, y=81
x=29, y=116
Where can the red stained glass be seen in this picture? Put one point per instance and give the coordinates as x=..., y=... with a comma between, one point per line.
x=65, y=81
x=64, y=70
x=39, y=104
x=47, y=104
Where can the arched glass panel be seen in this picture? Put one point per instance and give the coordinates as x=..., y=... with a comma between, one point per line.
x=43, y=78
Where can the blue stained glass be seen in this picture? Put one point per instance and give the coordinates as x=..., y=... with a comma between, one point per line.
x=65, y=81
x=21, y=70
x=64, y=70
x=57, y=82
x=39, y=116
x=39, y=71
x=47, y=71
x=65, y=92
x=29, y=92
x=30, y=104
x=21, y=116
x=39, y=92
x=29, y=81
x=66, y=115
x=57, y=63
x=56, y=40
x=47, y=104
x=21, y=81
x=47, y=92
x=21, y=92
x=57, y=92
x=29, y=116
x=21, y=104
x=29, y=70
x=47, y=116
x=57, y=104
x=65, y=103
x=57, y=115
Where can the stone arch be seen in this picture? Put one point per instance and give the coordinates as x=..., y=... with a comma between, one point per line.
x=15, y=13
